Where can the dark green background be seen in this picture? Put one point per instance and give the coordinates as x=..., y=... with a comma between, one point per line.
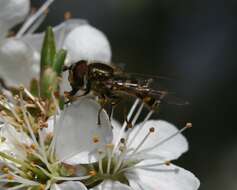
x=193, y=41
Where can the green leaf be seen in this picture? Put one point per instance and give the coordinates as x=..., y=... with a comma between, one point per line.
x=59, y=61
x=48, y=50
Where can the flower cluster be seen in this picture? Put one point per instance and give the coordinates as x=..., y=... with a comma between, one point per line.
x=45, y=144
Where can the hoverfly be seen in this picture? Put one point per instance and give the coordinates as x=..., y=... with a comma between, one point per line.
x=110, y=84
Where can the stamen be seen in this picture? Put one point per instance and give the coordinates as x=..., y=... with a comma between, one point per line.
x=109, y=155
x=34, y=100
x=151, y=130
x=188, y=125
x=137, y=114
x=167, y=163
x=125, y=123
x=18, y=187
x=130, y=139
x=121, y=157
x=96, y=139
x=34, y=17
x=92, y=173
x=101, y=155
x=67, y=15
x=27, y=120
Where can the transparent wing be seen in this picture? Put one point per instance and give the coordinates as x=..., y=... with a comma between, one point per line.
x=159, y=88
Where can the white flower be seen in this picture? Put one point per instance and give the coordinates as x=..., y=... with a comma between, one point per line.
x=12, y=12
x=81, y=40
x=17, y=59
x=79, y=135
x=20, y=55
x=139, y=158
x=46, y=155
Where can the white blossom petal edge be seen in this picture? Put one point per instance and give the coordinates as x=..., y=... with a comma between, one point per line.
x=140, y=156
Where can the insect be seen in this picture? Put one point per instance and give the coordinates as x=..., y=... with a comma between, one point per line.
x=110, y=84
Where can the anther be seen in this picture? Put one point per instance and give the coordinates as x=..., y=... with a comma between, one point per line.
x=33, y=146
x=110, y=146
x=41, y=187
x=167, y=163
x=67, y=15
x=92, y=173
x=188, y=125
x=122, y=141
x=5, y=169
x=96, y=139
x=10, y=177
x=21, y=88
x=152, y=130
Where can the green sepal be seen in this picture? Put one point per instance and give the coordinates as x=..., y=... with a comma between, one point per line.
x=49, y=83
x=34, y=87
x=48, y=51
x=59, y=61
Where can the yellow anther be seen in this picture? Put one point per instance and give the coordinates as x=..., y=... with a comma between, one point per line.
x=21, y=88
x=189, y=125
x=5, y=170
x=67, y=15
x=10, y=177
x=167, y=162
x=33, y=146
x=110, y=146
x=92, y=173
x=41, y=187
x=96, y=139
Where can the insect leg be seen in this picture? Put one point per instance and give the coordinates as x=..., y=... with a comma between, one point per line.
x=66, y=68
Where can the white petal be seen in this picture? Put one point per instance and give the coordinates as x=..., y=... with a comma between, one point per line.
x=17, y=62
x=12, y=12
x=50, y=128
x=111, y=185
x=77, y=128
x=87, y=43
x=162, y=178
x=69, y=185
x=60, y=31
x=14, y=141
x=169, y=150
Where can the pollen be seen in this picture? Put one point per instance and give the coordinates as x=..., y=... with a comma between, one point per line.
x=67, y=15
x=92, y=173
x=96, y=139
x=110, y=146
x=10, y=177
x=189, y=125
x=167, y=163
x=42, y=187
x=33, y=146
x=5, y=169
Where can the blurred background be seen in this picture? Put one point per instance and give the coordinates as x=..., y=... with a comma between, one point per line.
x=193, y=41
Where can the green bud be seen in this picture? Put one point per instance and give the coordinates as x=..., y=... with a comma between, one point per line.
x=49, y=83
x=59, y=61
x=48, y=51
